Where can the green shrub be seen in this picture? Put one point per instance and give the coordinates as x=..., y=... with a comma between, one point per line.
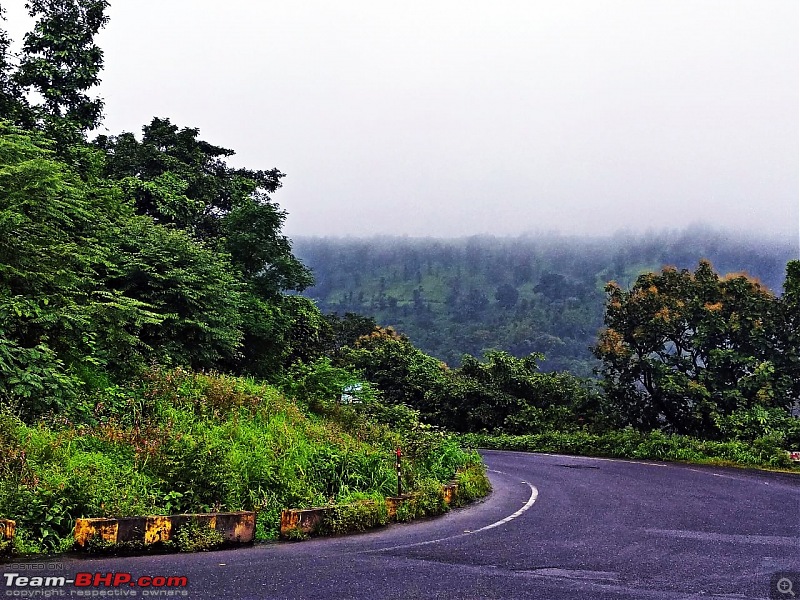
x=358, y=513
x=427, y=500
x=472, y=484
x=196, y=536
x=192, y=442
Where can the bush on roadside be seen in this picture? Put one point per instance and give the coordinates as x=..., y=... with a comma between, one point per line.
x=426, y=501
x=472, y=484
x=357, y=512
x=195, y=536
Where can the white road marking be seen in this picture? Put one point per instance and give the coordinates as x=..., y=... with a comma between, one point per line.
x=534, y=495
x=528, y=504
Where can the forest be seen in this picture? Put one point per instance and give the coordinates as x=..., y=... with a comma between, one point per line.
x=528, y=294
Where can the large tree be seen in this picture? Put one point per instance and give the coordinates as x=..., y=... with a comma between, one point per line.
x=191, y=243
x=55, y=235
x=180, y=180
x=184, y=183
x=86, y=285
x=683, y=350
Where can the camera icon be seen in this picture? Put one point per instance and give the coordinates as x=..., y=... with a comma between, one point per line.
x=784, y=585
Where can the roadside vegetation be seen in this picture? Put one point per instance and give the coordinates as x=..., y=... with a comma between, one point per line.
x=766, y=453
x=180, y=441
x=504, y=402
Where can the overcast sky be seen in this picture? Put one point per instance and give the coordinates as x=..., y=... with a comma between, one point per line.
x=458, y=117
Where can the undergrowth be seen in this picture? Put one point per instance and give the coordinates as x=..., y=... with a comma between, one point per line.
x=427, y=501
x=181, y=442
x=358, y=512
x=195, y=537
x=472, y=484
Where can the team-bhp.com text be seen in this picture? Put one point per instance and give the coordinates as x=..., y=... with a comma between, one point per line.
x=95, y=585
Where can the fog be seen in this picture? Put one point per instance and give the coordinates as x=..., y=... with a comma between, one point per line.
x=453, y=118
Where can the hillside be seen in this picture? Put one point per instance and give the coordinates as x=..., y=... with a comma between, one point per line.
x=527, y=294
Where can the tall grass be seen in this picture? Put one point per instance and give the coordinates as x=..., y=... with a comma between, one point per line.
x=188, y=442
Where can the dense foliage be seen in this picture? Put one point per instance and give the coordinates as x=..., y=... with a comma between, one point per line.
x=180, y=441
x=524, y=295
x=89, y=285
x=119, y=253
x=699, y=354
x=501, y=393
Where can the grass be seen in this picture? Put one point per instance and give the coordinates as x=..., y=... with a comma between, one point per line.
x=427, y=501
x=358, y=512
x=197, y=537
x=181, y=442
x=472, y=484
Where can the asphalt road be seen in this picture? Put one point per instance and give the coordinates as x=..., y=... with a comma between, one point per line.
x=555, y=527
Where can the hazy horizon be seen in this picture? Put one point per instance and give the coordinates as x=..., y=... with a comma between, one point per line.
x=694, y=229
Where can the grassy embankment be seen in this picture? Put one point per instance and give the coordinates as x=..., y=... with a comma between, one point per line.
x=187, y=442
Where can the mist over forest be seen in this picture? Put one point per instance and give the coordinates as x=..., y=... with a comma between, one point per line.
x=534, y=293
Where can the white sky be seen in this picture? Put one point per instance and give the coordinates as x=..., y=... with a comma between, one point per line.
x=460, y=117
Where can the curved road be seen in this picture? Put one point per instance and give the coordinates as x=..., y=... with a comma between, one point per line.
x=555, y=527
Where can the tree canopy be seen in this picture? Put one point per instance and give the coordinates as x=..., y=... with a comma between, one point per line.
x=126, y=251
x=685, y=350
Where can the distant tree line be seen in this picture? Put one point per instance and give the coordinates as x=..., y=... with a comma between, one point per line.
x=528, y=294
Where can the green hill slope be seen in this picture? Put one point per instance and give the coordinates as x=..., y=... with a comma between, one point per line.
x=528, y=294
